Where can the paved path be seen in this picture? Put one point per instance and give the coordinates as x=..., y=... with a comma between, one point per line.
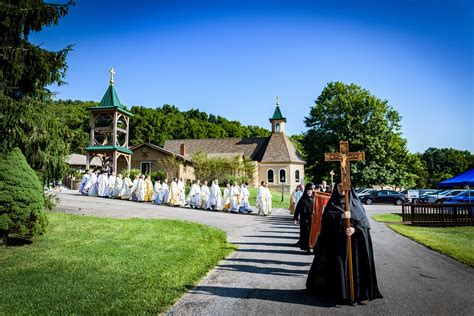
x=267, y=275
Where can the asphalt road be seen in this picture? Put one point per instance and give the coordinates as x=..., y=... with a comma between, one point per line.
x=267, y=274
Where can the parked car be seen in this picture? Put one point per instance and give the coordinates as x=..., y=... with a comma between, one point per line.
x=437, y=197
x=366, y=191
x=421, y=194
x=463, y=197
x=383, y=196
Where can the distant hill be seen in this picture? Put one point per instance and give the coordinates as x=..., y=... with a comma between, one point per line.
x=154, y=125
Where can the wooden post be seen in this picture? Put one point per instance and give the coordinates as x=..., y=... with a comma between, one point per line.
x=344, y=157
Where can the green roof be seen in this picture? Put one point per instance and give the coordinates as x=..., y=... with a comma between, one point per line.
x=277, y=115
x=109, y=148
x=111, y=101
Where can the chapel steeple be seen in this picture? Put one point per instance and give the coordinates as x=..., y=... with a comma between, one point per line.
x=277, y=120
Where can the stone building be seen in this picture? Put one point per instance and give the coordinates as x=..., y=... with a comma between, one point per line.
x=278, y=162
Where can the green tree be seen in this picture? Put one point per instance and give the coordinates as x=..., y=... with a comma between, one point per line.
x=349, y=112
x=26, y=118
x=21, y=198
x=444, y=163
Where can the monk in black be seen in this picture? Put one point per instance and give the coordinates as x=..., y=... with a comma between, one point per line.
x=328, y=273
x=304, y=210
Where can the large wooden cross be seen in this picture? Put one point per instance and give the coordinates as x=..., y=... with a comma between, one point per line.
x=345, y=157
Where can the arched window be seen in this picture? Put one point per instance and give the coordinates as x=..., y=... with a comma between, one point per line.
x=270, y=176
x=277, y=127
x=297, y=176
x=282, y=176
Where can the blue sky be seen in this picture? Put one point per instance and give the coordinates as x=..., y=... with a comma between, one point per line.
x=232, y=58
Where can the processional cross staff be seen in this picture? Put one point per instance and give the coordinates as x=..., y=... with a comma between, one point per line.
x=345, y=157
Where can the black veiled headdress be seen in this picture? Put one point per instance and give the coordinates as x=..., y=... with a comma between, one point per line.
x=337, y=202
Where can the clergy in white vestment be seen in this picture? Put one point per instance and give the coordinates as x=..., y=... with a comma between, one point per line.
x=264, y=200
x=204, y=195
x=215, y=196
x=244, y=199
x=299, y=194
x=157, y=192
x=93, y=187
x=234, y=198
x=182, y=194
x=112, y=178
x=134, y=191
x=166, y=192
x=174, y=193
x=84, y=180
x=117, y=186
x=194, y=196
x=126, y=191
x=103, y=184
x=141, y=189
x=226, y=198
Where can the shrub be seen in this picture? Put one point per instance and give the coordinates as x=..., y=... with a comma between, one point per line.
x=131, y=174
x=21, y=198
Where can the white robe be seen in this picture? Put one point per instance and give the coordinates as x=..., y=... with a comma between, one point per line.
x=157, y=193
x=93, y=185
x=215, y=197
x=111, y=184
x=244, y=199
x=85, y=179
x=141, y=190
x=117, y=187
x=133, y=192
x=126, y=191
x=264, y=201
x=182, y=195
x=103, y=187
x=204, y=196
x=194, y=197
x=298, y=195
x=234, y=198
x=166, y=193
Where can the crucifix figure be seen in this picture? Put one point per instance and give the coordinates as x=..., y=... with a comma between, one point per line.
x=345, y=157
x=112, y=74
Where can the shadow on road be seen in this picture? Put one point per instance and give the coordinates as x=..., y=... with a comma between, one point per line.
x=261, y=270
x=269, y=261
x=300, y=296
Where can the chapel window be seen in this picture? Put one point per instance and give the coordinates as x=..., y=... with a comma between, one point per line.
x=297, y=176
x=270, y=176
x=282, y=176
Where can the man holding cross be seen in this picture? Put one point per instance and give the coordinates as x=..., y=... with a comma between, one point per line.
x=344, y=266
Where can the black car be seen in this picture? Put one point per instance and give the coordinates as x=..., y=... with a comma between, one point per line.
x=383, y=196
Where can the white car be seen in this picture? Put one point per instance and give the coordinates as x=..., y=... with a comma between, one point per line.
x=433, y=198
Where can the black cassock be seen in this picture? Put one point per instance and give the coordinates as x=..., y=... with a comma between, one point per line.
x=328, y=273
x=304, y=210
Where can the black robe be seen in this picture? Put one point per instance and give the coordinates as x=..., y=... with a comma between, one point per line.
x=304, y=210
x=328, y=273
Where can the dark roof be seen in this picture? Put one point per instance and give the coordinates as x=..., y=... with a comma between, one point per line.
x=277, y=115
x=98, y=148
x=160, y=149
x=253, y=148
x=276, y=148
x=280, y=149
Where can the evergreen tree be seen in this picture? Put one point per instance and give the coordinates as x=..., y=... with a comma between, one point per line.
x=21, y=198
x=26, y=119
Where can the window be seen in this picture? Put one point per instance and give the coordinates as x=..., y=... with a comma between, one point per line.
x=270, y=176
x=277, y=127
x=282, y=175
x=297, y=176
x=145, y=167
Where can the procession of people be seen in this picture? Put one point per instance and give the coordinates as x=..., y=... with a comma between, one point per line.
x=102, y=183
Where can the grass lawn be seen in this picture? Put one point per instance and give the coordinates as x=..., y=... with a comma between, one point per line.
x=388, y=218
x=90, y=265
x=456, y=242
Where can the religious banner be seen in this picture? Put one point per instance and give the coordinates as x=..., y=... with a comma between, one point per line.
x=320, y=201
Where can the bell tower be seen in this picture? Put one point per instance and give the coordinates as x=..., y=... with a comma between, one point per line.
x=277, y=120
x=109, y=129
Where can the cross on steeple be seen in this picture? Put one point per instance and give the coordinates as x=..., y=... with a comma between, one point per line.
x=278, y=101
x=112, y=74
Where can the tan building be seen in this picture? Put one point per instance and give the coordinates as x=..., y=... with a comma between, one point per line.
x=278, y=161
x=151, y=158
